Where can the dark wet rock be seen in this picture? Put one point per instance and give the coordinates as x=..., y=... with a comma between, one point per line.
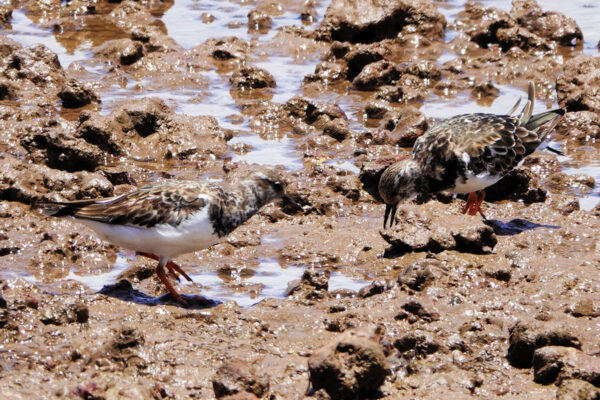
x=351, y=366
x=391, y=94
x=74, y=94
x=576, y=87
x=369, y=21
x=374, y=288
x=582, y=126
x=376, y=109
x=576, y=184
x=361, y=56
x=585, y=308
x=2, y=302
x=37, y=64
x=123, y=51
x=497, y=272
x=417, y=344
x=309, y=15
x=424, y=70
x=370, y=173
x=522, y=38
x=376, y=74
x=519, y=184
x=419, y=275
x=577, y=389
x=100, y=131
x=414, y=311
x=30, y=183
x=259, y=20
x=327, y=72
x=58, y=313
x=337, y=129
x=5, y=13
x=229, y=49
x=549, y=25
x=557, y=363
x=252, y=78
x=318, y=279
x=406, y=127
x=485, y=89
x=7, y=90
x=63, y=151
x=524, y=341
x=144, y=116
x=342, y=323
x=238, y=377
x=418, y=233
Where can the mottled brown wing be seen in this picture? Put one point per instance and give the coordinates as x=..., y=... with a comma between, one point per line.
x=145, y=207
x=495, y=143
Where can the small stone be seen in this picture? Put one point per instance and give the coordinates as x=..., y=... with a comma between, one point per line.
x=73, y=94
x=239, y=377
x=552, y=363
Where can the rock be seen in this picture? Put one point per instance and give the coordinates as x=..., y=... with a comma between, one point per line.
x=417, y=344
x=259, y=21
x=337, y=129
x=556, y=363
x=318, y=279
x=578, y=86
x=414, y=311
x=485, y=89
x=582, y=126
x=144, y=116
x=420, y=274
x=367, y=21
x=376, y=74
x=347, y=185
x=123, y=51
x=576, y=184
x=376, y=109
x=498, y=273
x=577, y=389
x=406, y=127
x=417, y=233
x=524, y=341
x=239, y=377
x=102, y=132
x=585, y=308
x=39, y=65
x=7, y=90
x=73, y=94
x=550, y=25
x=252, y=78
x=351, y=366
x=327, y=73
x=361, y=56
x=376, y=287
x=59, y=313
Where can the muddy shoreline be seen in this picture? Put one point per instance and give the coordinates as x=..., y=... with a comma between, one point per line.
x=441, y=305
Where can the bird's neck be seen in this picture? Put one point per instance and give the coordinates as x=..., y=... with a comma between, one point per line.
x=239, y=206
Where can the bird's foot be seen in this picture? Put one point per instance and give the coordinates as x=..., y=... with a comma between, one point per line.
x=473, y=205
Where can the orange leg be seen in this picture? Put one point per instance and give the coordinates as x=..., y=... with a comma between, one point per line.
x=160, y=271
x=172, y=268
x=470, y=202
x=473, y=205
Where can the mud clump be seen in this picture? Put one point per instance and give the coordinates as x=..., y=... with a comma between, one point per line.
x=524, y=341
x=369, y=21
x=239, y=378
x=252, y=78
x=73, y=94
x=416, y=232
x=577, y=389
x=556, y=363
x=577, y=88
x=351, y=366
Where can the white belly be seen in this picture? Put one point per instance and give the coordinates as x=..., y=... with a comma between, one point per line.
x=474, y=183
x=195, y=233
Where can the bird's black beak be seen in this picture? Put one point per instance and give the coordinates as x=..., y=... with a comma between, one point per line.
x=290, y=203
x=390, y=211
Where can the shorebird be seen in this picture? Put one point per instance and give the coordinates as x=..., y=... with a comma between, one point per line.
x=465, y=154
x=164, y=221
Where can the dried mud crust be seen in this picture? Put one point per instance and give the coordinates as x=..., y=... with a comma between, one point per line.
x=450, y=305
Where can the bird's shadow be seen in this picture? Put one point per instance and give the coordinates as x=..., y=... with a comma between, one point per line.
x=123, y=290
x=514, y=226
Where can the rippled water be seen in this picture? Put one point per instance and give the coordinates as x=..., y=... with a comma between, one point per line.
x=192, y=22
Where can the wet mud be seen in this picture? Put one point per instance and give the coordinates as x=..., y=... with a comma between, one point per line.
x=99, y=98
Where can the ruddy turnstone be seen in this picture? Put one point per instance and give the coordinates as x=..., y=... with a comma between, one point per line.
x=466, y=154
x=164, y=221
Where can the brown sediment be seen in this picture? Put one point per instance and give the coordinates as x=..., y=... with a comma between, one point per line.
x=450, y=305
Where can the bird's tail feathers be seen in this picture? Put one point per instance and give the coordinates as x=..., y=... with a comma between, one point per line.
x=60, y=208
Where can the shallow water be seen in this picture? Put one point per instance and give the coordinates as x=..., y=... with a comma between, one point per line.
x=192, y=22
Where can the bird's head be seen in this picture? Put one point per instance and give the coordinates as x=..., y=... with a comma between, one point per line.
x=397, y=183
x=271, y=186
